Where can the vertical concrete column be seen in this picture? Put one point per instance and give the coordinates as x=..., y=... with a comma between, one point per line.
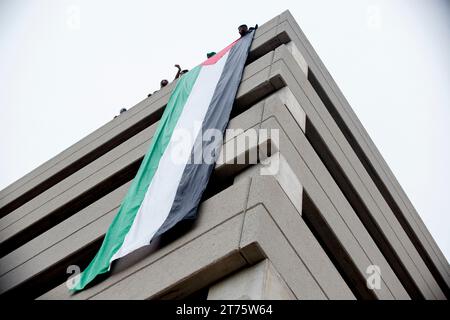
x=277, y=166
x=298, y=57
x=258, y=282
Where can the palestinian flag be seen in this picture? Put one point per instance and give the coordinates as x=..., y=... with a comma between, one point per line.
x=169, y=184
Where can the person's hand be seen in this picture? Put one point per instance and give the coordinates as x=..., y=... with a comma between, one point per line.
x=178, y=66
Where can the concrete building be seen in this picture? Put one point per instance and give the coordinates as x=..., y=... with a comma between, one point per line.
x=331, y=223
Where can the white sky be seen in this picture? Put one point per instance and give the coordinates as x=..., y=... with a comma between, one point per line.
x=61, y=80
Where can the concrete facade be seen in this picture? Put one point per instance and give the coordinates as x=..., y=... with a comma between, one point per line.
x=312, y=230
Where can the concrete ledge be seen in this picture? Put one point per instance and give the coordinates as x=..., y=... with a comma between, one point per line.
x=217, y=249
x=258, y=282
x=91, y=215
x=226, y=240
x=370, y=151
x=288, y=30
x=266, y=190
x=211, y=213
x=77, y=184
x=283, y=68
x=331, y=203
x=261, y=231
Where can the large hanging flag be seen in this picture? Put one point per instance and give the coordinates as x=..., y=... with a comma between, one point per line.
x=169, y=184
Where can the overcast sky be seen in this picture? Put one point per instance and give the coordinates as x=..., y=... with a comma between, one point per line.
x=67, y=67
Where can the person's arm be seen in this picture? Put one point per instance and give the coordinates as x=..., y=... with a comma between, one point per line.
x=253, y=28
x=178, y=72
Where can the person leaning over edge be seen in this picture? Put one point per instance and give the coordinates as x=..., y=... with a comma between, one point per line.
x=180, y=72
x=243, y=29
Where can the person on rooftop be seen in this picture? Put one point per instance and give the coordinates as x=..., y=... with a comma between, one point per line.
x=164, y=83
x=180, y=72
x=121, y=111
x=243, y=29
